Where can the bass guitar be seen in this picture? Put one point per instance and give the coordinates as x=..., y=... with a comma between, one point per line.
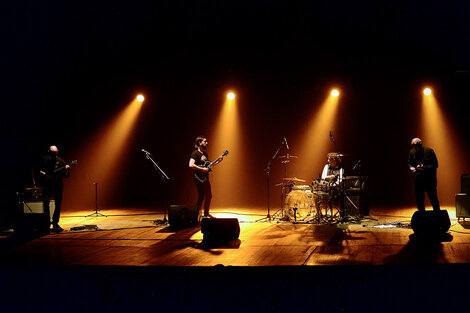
x=74, y=162
x=202, y=177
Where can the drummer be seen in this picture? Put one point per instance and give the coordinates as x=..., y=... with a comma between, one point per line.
x=333, y=172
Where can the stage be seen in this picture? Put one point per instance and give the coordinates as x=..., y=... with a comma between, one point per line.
x=134, y=237
x=125, y=261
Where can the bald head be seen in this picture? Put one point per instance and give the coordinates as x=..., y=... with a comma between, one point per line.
x=417, y=143
x=53, y=151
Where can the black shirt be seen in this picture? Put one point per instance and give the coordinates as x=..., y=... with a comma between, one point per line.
x=427, y=158
x=49, y=164
x=200, y=159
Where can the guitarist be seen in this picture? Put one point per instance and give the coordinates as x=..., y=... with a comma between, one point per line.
x=201, y=174
x=422, y=162
x=53, y=169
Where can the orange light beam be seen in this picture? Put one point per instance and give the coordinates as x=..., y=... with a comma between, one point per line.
x=315, y=143
x=100, y=160
x=226, y=189
x=439, y=135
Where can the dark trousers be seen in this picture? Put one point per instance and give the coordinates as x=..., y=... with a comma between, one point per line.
x=204, y=193
x=56, y=191
x=429, y=187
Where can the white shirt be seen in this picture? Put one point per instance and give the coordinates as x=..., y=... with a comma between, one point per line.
x=338, y=179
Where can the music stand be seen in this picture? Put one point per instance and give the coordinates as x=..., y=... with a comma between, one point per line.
x=96, y=214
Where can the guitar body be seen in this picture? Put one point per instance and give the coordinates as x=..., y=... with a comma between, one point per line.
x=203, y=177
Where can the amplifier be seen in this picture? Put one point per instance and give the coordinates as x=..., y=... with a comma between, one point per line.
x=37, y=207
x=465, y=183
x=462, y=205
x=34, y=193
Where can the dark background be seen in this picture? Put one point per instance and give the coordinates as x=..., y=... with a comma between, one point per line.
x=68, y=67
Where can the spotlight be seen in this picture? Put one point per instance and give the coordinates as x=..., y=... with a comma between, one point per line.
x=140, y=98
x=427, y=91
x=335, y=93
x=230, y=96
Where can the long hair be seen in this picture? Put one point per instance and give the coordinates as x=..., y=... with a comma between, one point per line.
x=198, y=141
x=336, y=156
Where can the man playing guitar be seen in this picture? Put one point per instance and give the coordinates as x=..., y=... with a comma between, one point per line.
x=199, y=163
x=54, y=169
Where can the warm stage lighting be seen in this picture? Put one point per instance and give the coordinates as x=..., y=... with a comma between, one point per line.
x=140, y=98
x=230, y=96
x=335, y=93
x=427, y=91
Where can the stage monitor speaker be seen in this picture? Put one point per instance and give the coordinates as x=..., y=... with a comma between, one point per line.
x=462, y=205
x=465, y=183
x=430, y=222
x=361, y=204
x=180, y=216
x=220, y=230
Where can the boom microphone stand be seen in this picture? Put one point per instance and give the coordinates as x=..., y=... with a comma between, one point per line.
x=165, y=179
x=268, y=170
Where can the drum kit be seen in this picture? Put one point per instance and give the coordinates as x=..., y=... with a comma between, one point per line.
x=322, y=201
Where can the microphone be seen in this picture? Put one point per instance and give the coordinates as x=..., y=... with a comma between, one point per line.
x=145, y=151
x=331, y=135
x=357, y=164
x=285, y=141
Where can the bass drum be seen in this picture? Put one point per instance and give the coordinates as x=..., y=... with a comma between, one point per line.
x=299, y=203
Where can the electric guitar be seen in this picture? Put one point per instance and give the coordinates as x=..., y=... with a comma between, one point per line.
x=74, y=162
x=209, y=164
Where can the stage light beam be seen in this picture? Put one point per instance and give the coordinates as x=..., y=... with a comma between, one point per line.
x=227, y=135
x=316, y=143
x=101, y=157
x=438, y=134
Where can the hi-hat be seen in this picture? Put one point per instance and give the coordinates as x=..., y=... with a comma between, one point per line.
x=294, y=179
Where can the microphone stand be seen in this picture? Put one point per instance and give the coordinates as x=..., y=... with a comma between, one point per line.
x=165, y=179
x=268, y=170
x=332, y=139
x=96, y=214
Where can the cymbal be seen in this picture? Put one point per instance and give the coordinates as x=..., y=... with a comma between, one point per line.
x=343, y=154
x=294, y=179
x=355, y=177
x=288, y=156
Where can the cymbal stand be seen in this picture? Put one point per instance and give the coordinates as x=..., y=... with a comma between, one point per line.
x=166, y=180
x=268, y=170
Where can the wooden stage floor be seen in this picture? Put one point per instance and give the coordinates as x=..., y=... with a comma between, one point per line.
x=130, y=237
x=131, y=264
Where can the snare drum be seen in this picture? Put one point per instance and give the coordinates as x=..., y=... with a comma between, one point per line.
x=302, y=187
x=321, y=187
